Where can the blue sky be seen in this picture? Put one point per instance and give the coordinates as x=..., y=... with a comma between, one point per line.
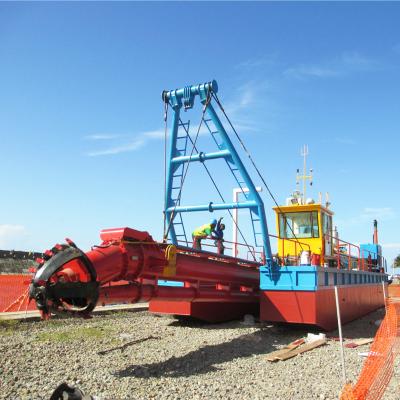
x=81, y=114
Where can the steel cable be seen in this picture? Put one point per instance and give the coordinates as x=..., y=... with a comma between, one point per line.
x=222, y=198
x=254, y=165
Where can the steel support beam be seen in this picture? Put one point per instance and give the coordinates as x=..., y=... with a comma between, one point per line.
x=201, y=157
x=213, y=207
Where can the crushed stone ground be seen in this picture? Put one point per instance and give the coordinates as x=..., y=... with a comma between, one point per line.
x=138, y=355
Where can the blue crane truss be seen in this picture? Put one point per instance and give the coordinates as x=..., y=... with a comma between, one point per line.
x=177, y=158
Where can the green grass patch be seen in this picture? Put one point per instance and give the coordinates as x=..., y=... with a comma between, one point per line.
x=73, y=333
x=9, y=324
x=8, y=327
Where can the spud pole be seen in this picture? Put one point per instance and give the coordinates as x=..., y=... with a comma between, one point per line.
x=340, y=334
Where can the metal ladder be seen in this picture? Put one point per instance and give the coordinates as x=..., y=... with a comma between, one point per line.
x=177, y=178
x=256, y=227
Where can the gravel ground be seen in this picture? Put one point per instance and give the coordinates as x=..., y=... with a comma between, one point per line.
x=137, y=355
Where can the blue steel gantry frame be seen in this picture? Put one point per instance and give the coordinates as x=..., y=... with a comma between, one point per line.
x=175, y=160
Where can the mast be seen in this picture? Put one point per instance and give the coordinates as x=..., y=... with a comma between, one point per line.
x=304, y=176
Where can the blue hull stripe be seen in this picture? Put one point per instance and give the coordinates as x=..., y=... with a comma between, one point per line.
x=312, y=278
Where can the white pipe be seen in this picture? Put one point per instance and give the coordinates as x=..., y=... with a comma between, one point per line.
x=384, y=292
x=236, y=192
x=340, y=335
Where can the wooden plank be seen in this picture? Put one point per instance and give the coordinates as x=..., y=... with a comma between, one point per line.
x=125, y=345
x=303, y=349
x=358, y=342
x=291, y=346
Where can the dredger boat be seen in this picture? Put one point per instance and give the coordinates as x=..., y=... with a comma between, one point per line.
x=295, y=285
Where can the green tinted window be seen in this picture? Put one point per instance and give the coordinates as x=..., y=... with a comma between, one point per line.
x=298, y=225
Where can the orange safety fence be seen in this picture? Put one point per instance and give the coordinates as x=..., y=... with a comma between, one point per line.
x=394, y=290
x=14, y=293
x=378, y=367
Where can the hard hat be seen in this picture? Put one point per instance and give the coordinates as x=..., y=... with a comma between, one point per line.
x=213, y=222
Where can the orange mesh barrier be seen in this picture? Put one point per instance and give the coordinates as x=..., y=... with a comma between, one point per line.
x=14, y=293
x=378, y=367
x=394, y=290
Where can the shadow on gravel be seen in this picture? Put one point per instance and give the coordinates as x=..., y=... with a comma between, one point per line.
x=180, y=321
x=205, y=358
x=210, y=357
x=364, y=327
x=188, y=322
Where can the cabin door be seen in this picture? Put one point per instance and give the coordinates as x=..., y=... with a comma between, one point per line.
x=327, y=231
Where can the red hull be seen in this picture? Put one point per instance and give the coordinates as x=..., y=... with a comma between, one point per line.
x=209, y=311
x=319, y=308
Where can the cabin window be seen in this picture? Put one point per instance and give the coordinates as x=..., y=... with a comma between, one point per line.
x=326, y=224
x=299, y=225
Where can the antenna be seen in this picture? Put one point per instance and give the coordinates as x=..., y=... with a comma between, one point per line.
x=327, y=203
x=304, y=177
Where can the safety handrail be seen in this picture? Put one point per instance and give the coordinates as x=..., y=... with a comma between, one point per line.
x=296, y=243
x=252, y=251
x=363, y=263
x=349, y=246
x=370, y=264
x=358, y=258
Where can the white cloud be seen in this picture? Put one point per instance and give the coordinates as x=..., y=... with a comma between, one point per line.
x=380, y=213
x=367, y=215
x=357, y=61
x=237, y=111
x=131, y=146
x=244, y=98
x=131, y=143
x=157, y=134
x=345, y=140
x=391, y=245
x=257, y=62
x=9, y=234
x=347, y=63
x=311, y=70
x=102, y=136
x=139, y=140
x=247, y=98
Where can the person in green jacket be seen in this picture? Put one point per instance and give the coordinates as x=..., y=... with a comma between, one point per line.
x=218, y=235
x=202, y=232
